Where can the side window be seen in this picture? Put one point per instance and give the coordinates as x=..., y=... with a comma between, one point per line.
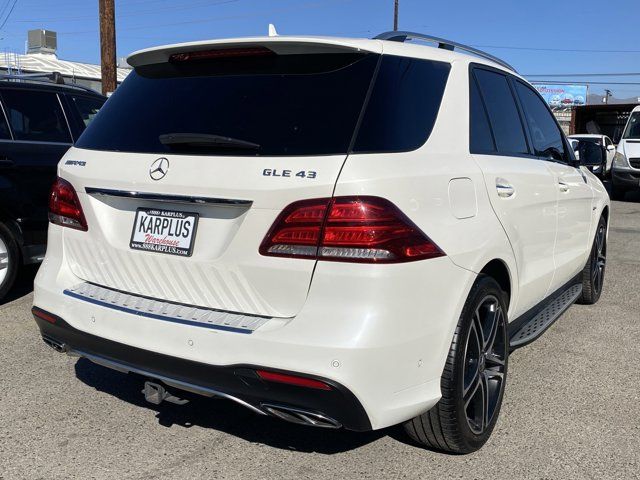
x=4, y=128
x=545, y=133
x=403, y=106
x=503, y=112
x=480, y=136
x=36, y=116
x=87, y=108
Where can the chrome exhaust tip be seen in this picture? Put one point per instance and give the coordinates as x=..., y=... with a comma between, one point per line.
x=56, y=345
x=301, y=417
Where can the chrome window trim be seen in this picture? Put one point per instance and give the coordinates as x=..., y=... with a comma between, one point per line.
x=66, y=120
x=6, y=119
x=162, y=197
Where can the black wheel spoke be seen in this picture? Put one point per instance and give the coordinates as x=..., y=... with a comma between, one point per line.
x=485, y=400
x=485, y=363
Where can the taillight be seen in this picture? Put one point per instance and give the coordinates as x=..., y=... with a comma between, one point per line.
x=64, y=206
x=348, y=229
x=220, y=53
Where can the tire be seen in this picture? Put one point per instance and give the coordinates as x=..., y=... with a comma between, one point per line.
x=9, y=260
x=593, y=272
x=450, y=426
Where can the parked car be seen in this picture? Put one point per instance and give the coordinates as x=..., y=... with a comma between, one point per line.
x=626, y=165
x=38, y=123
x=344, y=233
x=608, y=152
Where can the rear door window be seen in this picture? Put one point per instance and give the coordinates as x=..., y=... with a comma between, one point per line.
x=5, y=134
x=480, y=136
x=36, y=116
x=86, y=107
x=503, y=113
x=545, y=134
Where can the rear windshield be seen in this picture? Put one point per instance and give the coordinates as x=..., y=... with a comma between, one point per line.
x=275, y=105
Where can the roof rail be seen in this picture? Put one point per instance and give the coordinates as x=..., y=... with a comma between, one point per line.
x=401, y=36
x=45, y=78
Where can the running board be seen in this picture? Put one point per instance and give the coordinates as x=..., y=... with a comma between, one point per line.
x=524, y=332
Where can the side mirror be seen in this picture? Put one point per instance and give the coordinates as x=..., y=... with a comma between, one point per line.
x=610, y=148
x=590, y=153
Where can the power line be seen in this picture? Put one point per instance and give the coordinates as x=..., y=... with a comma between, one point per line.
x=8, y=14
x=587, y=83
x=128, y=14
x=571, y=50
x=300, y=6
x=625, y=74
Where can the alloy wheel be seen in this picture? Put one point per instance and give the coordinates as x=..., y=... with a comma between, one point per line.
x=4, y=260
x=484, y=364
x=599, y=259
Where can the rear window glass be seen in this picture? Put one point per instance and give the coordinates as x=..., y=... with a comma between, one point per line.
x=273, y=105
x=36, y=116
x=87, y=108
x=4, y=128
x=286, y=104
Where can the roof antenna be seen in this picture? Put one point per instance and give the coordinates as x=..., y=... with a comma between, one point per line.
x=272, y=30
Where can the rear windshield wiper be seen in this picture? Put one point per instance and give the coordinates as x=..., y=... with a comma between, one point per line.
x=205, y=140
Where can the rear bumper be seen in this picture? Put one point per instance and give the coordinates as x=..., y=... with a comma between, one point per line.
x=381, y=332
x=239, y=383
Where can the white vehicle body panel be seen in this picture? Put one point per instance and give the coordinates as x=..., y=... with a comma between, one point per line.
x=382, y=331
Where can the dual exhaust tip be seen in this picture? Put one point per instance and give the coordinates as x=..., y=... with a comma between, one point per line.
x=156, y=393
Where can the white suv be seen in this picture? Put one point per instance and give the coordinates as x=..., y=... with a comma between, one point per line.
x=337, y=232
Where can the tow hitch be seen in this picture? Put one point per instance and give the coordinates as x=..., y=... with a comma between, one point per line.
x=156, y=394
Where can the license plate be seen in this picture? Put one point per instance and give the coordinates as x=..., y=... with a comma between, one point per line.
x=164, y=231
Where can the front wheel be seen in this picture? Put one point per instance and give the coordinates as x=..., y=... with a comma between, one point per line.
x=474, y=376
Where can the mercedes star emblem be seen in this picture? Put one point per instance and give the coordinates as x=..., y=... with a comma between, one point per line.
x=159, y=168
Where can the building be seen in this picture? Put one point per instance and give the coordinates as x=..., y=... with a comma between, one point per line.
x=41, y=57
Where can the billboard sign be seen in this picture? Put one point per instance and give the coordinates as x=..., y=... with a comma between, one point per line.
x=560, y=97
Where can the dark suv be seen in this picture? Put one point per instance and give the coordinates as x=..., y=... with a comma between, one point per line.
x=39, y=121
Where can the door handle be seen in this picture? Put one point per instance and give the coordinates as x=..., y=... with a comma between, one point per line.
x=504, y=188
x=5, y=161
x=564, y=188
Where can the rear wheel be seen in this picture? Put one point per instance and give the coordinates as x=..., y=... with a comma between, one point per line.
x=474, y=377
x=593, y=272
x=9, y=258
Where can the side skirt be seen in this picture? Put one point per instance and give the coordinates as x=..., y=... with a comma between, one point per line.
x=532, y=324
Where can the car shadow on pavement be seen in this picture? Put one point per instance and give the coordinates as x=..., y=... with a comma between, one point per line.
x=225, y=416
x=23, y=285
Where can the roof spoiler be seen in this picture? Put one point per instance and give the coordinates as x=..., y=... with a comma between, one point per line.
x=279, y=44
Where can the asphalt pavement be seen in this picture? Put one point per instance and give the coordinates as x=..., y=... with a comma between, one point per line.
x=571, y=410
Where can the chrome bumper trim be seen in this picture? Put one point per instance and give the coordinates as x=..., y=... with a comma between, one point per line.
x=165, y=310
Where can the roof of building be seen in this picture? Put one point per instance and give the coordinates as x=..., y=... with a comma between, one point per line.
x=40, y=62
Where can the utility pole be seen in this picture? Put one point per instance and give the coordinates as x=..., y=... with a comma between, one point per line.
x=108, y=45
x=395, y=15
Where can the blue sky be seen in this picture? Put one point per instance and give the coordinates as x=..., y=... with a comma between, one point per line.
x=607, y=30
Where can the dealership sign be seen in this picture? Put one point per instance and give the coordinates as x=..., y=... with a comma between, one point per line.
x=563, y=96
